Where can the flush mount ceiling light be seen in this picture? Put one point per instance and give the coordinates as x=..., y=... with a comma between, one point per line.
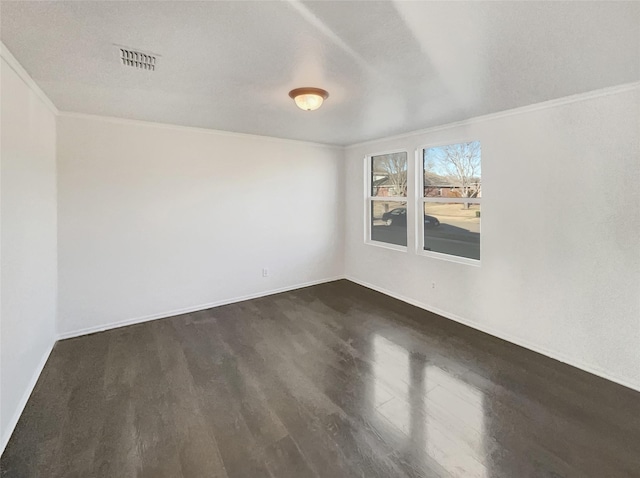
x=308, y=99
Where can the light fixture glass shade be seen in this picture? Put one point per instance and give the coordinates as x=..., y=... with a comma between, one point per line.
x=308, y=99
x=309, y=102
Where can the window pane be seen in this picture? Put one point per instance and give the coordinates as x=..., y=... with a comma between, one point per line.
x=453, y=171
x=389, y=222
x=389, y=175
x=452, y=229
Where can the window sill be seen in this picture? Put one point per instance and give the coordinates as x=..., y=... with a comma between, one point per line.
x=448, y=258
x=386, y=245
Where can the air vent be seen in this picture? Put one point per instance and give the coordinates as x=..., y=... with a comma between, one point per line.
x=137, y=59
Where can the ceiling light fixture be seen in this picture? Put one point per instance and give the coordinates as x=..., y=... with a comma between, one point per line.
x=308, y=99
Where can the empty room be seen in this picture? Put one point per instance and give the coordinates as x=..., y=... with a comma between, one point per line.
x=245, y=239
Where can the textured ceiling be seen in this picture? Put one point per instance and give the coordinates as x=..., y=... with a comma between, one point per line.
x=390, y=67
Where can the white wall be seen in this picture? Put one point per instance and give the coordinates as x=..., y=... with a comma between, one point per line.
x=560, y=270
x=28, y=238
x=155, y=220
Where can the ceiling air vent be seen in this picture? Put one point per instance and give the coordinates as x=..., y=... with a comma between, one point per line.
x=138, y=59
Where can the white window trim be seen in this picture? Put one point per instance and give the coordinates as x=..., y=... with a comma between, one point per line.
x=368, y=197
x=421, y=200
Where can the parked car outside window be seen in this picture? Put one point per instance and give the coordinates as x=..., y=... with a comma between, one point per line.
x=398, y=217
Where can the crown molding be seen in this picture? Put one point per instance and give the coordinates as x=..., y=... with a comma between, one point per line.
x=175, y=127
x=26, y=78
x=565, y=100
x=15, y=65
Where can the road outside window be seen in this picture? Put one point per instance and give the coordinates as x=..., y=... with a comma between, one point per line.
x=452, y=194
x=387, y=199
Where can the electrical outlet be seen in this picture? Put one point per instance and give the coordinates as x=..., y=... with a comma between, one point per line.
x=433, y=285
x=265, y=272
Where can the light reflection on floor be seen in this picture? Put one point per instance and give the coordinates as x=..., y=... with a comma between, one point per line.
x=391, y=372
x=458, y=447
x=439, y=414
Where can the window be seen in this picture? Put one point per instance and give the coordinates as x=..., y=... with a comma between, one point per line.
x=387, y=199
x=451, y=196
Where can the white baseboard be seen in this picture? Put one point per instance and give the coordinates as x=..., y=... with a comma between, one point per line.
x=489, y=330
x=501, y=335
x=187, y=310
x=25, y=398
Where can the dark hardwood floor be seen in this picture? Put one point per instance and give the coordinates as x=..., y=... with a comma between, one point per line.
x=332, y=381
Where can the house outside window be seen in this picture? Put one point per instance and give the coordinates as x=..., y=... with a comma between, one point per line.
x=451, y=198
x=387, y=200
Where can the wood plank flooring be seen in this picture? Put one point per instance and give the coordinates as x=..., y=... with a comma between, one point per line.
x=334, y=381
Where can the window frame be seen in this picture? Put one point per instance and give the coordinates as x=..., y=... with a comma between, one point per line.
x=369, y=199
x=421, y=200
